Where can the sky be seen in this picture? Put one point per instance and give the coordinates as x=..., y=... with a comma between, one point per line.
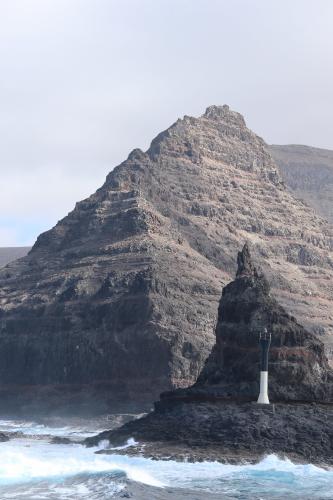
x=83, y=82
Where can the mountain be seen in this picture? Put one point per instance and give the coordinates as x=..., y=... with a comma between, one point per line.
x=308, y=172
x=121, y=295
x=8, y=254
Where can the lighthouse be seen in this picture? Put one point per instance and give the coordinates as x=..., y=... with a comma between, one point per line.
x=264, y=341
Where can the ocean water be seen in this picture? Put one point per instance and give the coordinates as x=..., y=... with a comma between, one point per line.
x=32, y=468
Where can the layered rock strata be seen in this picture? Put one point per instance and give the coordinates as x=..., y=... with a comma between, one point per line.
x=298, y=366
x=218, y=416
x=122, y=293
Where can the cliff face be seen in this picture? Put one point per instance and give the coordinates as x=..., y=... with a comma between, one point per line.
x=218, y=416
x=298, y=367
x=123, y=291
x=308, y=172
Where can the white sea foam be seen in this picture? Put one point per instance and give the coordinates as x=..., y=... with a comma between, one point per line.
x=23, y=460
x=63, y=471
x=130, y=442
x=34, y=428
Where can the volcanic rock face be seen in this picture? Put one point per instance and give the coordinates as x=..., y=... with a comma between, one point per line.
x=228, y=432
x=298, y=367
x=218, y=418
x=123, y=291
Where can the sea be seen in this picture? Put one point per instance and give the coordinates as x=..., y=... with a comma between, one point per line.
x=31, y=467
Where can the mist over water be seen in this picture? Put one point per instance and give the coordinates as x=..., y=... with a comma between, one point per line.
x=31, y=467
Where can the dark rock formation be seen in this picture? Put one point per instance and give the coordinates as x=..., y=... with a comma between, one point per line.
x=121, y=294
x=229, y=432
x=3, y=437
x=298, y=366
x=60, y=440
x=211, y=419
x=308, y=172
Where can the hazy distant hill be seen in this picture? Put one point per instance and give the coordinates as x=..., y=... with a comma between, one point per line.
x=9, y=254
x=309, y=173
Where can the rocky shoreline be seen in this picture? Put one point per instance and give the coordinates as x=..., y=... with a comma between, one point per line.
x=218, y=418
x=229, y=432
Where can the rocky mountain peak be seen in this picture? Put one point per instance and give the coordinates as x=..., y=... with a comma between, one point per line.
x=220, y=135
x=224, y=113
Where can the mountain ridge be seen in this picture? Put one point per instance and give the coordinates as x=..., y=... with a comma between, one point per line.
x=123, y=290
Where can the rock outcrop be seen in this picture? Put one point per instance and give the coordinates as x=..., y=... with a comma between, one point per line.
x=122, y=293
x=3, y=437
x=228, y=432
x=218, y=417
x=298, y=367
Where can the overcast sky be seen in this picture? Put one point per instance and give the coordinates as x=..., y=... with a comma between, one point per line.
x=83, y=82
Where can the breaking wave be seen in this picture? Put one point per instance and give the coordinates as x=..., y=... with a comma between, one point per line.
x=31, y=468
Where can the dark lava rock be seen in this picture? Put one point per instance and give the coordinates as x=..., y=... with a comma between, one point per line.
x=218, y=430
x=120, y=296
x=212, y=413
x=3, y=437
x=60, y=440
x=298, y=366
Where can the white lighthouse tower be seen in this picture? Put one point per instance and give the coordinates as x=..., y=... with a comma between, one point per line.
x=264, y=341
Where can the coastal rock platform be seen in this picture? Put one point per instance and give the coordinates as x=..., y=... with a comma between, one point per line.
x=229, y=432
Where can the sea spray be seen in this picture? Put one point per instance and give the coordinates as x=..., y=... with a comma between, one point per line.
x=63, y=471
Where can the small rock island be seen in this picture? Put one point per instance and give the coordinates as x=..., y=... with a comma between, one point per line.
x=218, y=418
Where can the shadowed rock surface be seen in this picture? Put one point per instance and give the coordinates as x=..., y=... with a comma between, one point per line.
x=308, y=172
x=298, y=367
x=121, y=294
x=229, y=432
x=3, y=437
x=210, y=420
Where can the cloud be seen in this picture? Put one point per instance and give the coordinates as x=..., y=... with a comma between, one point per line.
x=82, y=83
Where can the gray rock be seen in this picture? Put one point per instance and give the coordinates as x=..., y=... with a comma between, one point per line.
x=229, y=432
